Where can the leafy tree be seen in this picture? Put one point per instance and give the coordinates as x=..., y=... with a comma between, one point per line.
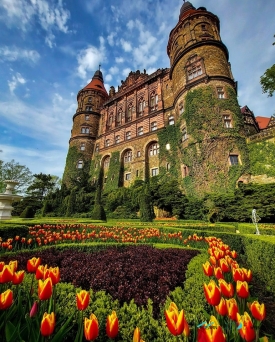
x=268, y=80
x=145, y=204
x=42, y=185
x=15, y=171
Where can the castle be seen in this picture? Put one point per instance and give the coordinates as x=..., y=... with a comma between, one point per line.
x=182, y=122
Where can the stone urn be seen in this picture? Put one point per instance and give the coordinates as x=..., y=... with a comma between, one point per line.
x=6, y=200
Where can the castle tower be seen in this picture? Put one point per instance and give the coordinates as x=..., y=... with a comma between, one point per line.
x=85, y=128
x=205, y=102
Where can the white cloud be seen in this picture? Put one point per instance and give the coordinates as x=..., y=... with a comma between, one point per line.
x=14, y=53
x=51, y=16
x=130, y=24
x=114, y=70
x=16, y=79
x=111, y=37
x=126, y=46
x=119, y=59
x=108, y=78
x=125, y=72
x=49, y=40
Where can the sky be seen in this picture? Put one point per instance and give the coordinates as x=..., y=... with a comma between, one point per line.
x=50, y=49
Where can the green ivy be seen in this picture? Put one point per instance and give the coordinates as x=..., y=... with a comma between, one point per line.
x=262, y=156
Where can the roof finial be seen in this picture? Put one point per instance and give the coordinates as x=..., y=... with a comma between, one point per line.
x=99, y=66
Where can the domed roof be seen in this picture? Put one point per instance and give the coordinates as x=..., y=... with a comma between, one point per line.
x=97, y=83
x=187, y=6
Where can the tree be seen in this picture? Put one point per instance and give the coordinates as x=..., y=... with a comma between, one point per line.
x=15, y=171
x=42, y=185
x=146, y=207
x=268, y=80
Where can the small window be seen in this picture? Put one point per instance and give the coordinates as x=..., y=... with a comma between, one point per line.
x=171, y=120
x=168, y=166
x=128, y=135
x=138, y=153
x=107, y=142
x=153, y=126
x=89, y=108
x=234, y=159
x=227, y=121
x=117, y=139
x=89, y=99
x=87, y=117
x=140, y=130
x=154, y=171
x=137, y=173
x=220, y=92
x=185, y=171
x=154, y=101
x=184, y=134
x=127, y=176
x=85, y=130
x=181, y=108
x=154, y=149
x=105, y=180
x=106, y=162
x=194, y=67
x=203, y=27
x=96, y=147
x=128, y=156
x=82, y=147
x=80, y=164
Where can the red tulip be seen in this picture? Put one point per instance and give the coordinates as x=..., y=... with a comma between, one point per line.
x=222, y=307
x=224, y=265
x=232, y=308
x=234, y=254
x=208, y=269
x=6, y=275
x=91, y=329
x=246, y=330
x=218, y=273
x=213, y=260
x=45, y=289
x=174, y=319
x=47, y=324
x=211, y=333
x=242, y=289
x=18, y=277
x=212, y=293
x=238, y=274
x=112, y=325
x=13, y=265
x=53, y=273
x=247, y=274
x=39, y=274
x=82, y=299
x=227, y=289
x=2, y=264
x=6, y=299
x=32, y=264
x=258, y=310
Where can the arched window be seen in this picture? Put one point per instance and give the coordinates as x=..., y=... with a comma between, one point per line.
x=80, y=164
x=106, y=162
x=154, y=149
x=128, y=156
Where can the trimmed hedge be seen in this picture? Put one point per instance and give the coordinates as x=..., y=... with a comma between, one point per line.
x=8, y=231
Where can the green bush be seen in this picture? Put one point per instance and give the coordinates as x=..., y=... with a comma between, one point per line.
x=28, y=212
x=98, y=213
x=10, y=230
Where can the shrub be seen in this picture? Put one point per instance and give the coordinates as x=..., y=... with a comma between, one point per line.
x=28, y=212
x=98, y=213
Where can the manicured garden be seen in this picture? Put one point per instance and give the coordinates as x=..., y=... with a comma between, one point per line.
x=77, y=280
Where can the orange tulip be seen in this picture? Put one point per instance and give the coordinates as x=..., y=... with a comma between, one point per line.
x=32, y=264
x=6, y=275
x=211, y=333
x=246, y=330
x=53, y=273
x=234, y=254
x=242, y=289
x=227, y=289
x=13, y=265
x=174, y=319
x=221, y=308
x=6, y=299
x=47, y=324
x=258, y=310
x=112, y=325
x=232, y=308
x=212, y=293
x=45, y=289
x=91, y=329
x=208, y=269
x=218, y=273
x=18, y=277
x=136, y=337
x=82, y=299
x=238, y=274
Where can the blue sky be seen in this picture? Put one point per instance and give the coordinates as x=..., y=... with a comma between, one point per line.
x=50, y=49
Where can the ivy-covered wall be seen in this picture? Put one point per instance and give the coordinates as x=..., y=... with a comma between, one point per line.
x=210, y=143
x=262, y=158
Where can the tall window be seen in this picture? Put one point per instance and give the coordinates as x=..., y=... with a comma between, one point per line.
x=185, y=171
x=82, y=147
x=138, y=154
x=181, y=108
x=128, y=156
x=129, y=113
x=153, y=126
x=184, y=134
x=96, y=147
x=117, y=139
x=107, y=142
x=171, y=120
x=220, y=92
x=194, y=67
x=154, y=149
x=141, y=106
x=153, y=101
x=80, y=164
x=140, y=130
x=128, y=135
x=127, y=176
x=110, y=119
x=106, y=162
x=118, y=117
x=234, y=159
x=227, y=121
